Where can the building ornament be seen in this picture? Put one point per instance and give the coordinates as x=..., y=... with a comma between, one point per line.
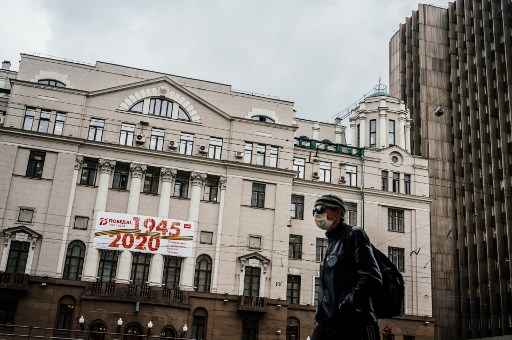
x=79, y=160
x=168, y=174
x=137, y=170
x=106, y=166
x=197, y=178
x=223, y=182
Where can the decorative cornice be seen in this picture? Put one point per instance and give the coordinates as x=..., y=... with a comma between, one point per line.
x=223, y=182
x=79, y=160
x=137, y=170
x=168, y=174
x=106, y=165
x=197, y=178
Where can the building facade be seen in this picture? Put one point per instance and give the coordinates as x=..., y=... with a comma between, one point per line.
x=79, y=139
x=452, y=68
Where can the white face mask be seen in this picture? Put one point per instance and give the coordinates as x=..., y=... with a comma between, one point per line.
x=322, y=222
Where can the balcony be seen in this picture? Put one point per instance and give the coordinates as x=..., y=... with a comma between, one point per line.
x=252, y=304
x=14, y=281
x=326, y=145
x=113, y=291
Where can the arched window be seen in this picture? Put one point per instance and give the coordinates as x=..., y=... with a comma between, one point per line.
x=163, y=107
x=263, y=118
x=97, y=330
x=133, y=331
x=203, y=273
x=65, y=311
x=168, y=333
x=74, y=261
x=292, y=329
x=51, y=82
x=199, y=324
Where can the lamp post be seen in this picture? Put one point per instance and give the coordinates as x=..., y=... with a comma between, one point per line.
x=119, y=325
x=149, y=325
x=184, y=331
x=81, y=322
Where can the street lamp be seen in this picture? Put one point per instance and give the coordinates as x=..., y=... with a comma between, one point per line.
x=184, y=331
x=149, y=325
x=119, y=325
x=81, y=322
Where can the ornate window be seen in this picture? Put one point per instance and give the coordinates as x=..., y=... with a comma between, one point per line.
x=199, y=324
x=172, y=269
x=292, y=329
x=17, y=258
x=162, y=107
x=51, y=82
x=137, y=107
x=140, y=268
x=107, y=267
x=252, y=281
x=74, y=261
x=203, y=273
x=293, y=289
x=65, y=312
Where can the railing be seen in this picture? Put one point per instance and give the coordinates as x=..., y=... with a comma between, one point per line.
x=17, y=281
x=325, y=145
x=174, y=296
x=15, y=332
x=252, y=304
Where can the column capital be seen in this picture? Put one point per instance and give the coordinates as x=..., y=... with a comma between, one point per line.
x=168, y=174
x=106, y=165
x=137, y=170
x=79, y=160
x=223, y=182
x=197, y=178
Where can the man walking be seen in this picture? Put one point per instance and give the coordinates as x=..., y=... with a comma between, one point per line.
x=348, y=275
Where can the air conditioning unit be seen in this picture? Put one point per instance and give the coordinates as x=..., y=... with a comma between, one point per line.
x=203, y=150
x=314, y=159
x=140, y=139
x=239, y=155
x=342, y=180
x=172, y=145
x=315, y=176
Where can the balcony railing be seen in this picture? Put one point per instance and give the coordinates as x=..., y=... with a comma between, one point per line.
x=252, y=304
x=326, y=145
x=14, y=281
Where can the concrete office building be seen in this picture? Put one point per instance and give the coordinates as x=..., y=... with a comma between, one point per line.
x=79, y=139
x=452, y=68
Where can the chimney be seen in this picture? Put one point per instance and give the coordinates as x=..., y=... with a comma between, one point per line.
x=6, y=65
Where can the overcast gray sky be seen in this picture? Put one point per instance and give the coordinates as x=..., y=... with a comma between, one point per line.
x=323, y=54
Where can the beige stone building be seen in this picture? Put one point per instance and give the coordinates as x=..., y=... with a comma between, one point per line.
x=79, y=139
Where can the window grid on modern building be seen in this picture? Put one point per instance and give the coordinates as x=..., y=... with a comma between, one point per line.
x=156, y=140
x=295, y=247
x=299, y=167
x=293, y=289
x=252, y=281
x=321, y=248
x=297, y=207
x=96, y=127
x=215, y=148
x=396, y=255
x=324, y=172
x=126, y=134
x=35, y=164
x=396, y=220
x=258, y=195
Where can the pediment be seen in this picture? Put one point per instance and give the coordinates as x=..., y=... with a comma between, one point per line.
x=255, y=256
x=11, y=232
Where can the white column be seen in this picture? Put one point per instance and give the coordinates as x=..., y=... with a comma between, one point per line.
x=125, y=260
x=215, y=280
x=67, y=225
x=187, y=275
x=263, y=279
x=364, y=130
x=167, y=175
x=316, y=131
x=382, y=130
x=353, y=134
x=106, y=167
x=400, y=133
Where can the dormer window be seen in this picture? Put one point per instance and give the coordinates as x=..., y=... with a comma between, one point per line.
x=51, y=82
x=263, y=118
x=161, y=107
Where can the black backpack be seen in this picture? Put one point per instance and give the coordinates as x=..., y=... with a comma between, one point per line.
x=388, y=301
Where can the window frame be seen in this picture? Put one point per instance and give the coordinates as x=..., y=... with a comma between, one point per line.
x=206, y=272
x=260, y=154
x=351, y=213
x=120, y=176
x=186, y=146
x=44, y=121
x=211, y=189
x=90, y=167
x=407, y=184
x=60, y=121
x=30, y=114
x=35, y=167
x=151, y=180
x=321, y=244
x=72, y=260
x=141, y=263
x=254, y=237
x=17, y=258
x=248, y=148
x=206, y=237
x=26, y=209
x=258, y=195
x=51, y=82
x=273, y=156
x=252, y=281
x=96, y=128
x=127, y=134
x=396, y=182
x=293, y=286
x=110, y=257
x=182, y=181
x=391, y=132
x=156, y=139
x=295, y=247
x=299, y=168
x=323, y=173
x=384, y=175
x=351, y=172
x=81, y=218
x=215, y=148
x=172, y=272
x=396, y=220
x=398, y=254
x=297, y=207
x=373, y=133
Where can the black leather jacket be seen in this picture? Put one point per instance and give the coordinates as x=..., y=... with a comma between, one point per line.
x=348, y=274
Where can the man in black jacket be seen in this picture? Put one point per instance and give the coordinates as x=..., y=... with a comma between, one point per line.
x=348, y=275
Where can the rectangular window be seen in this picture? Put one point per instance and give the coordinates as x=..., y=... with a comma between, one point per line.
x=317, y=291
x=96, y=129
x=358, y=135
x=273, y=156
x=17, y=258
x=321, y=248
x=215, y=148
x=250, y=329
x=351, y=213
x=151, y=180
x=26, y=215
x=107, y=267
x=120, y=178
x=293, y=289
x=58, y=127
x=156, y=142
x=126, y=135
x=396, y=182
x=81, y=222
x=260, y=154
x=252, y=281
x=351, y=172
x=186, y=144
x=254, y=242
x=396, y=255
x=172, y=271
x=248, y=152
x=295, y=247
x=297, y=207
x=299, y=167
x=391, y=132
x=407, y=184
x=89, y=169
x=325, y=172
x=211, y=189
x=28, y=121
x=385, y=180
x=396, y=220
x=44, y=121
x=35, y=164
x=181, y=184
x=140, y=268
x=373, y=132
x=258, y=195
x=206, y=237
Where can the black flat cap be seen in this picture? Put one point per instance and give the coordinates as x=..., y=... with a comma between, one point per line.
x=331, y=201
